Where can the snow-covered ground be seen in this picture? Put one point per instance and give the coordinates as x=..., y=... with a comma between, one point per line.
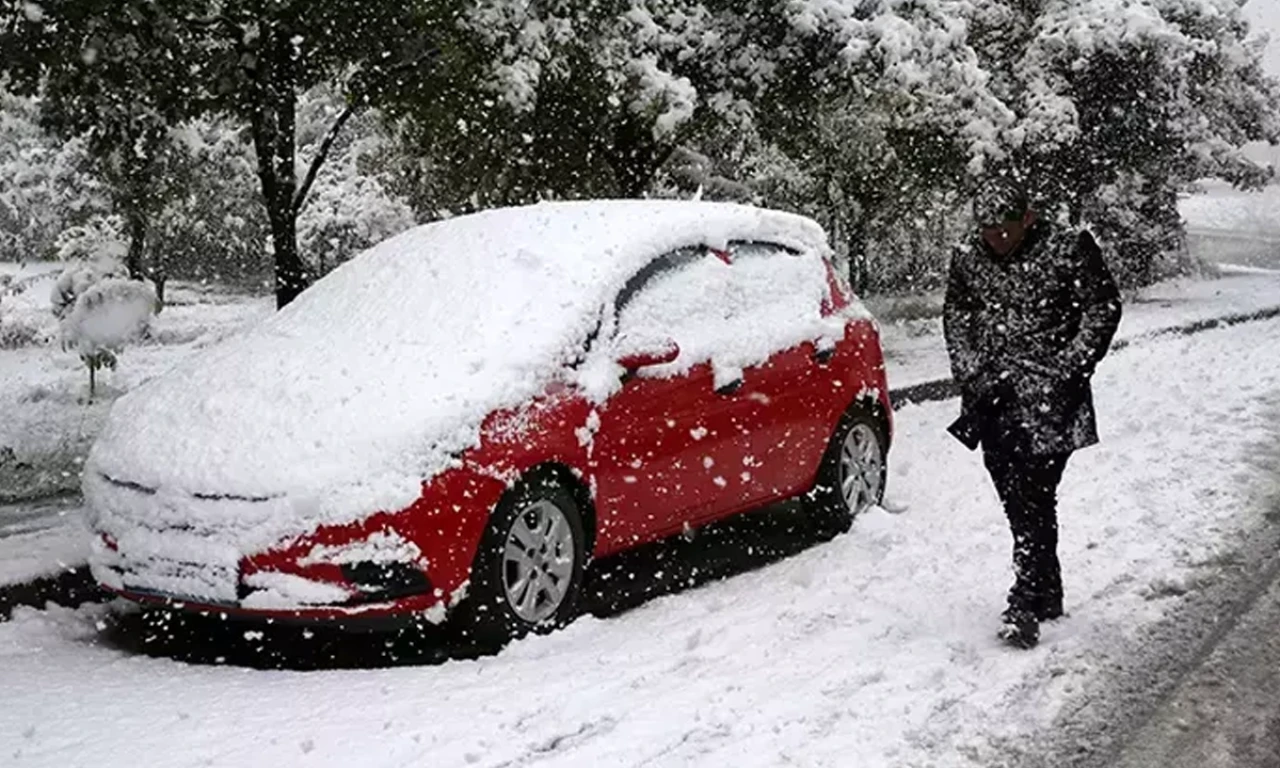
x=875, y=649
x=19, y=272
x=41, y=539
x=1222, y=210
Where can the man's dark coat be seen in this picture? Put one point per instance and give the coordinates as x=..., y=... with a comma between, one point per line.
x=1024, y=333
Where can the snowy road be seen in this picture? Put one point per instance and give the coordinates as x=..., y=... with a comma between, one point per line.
x=1203, y=691
x=874, y=649
x=1225, y=713
x=40, y=538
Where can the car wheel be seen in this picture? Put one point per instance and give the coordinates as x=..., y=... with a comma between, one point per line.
x=854, y=471
x=527, y=574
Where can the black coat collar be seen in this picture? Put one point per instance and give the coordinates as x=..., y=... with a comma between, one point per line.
x=1037, y=234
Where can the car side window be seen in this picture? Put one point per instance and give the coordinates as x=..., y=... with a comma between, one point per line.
x=752, y=249
x=735, y=313
x=775, y=285
x=655, y=272
x=673, y=300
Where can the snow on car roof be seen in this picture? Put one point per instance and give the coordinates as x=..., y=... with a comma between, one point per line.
x=374, y=377
x=577, y=254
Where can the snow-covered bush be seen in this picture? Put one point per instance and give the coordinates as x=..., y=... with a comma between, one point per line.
x=99, y=237
x=24, y=318
x=99, y=309
x=109, y=315
x=78, y=278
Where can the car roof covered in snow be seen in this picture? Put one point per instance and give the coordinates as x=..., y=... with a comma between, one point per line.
x=586, y=249
x=379, y=373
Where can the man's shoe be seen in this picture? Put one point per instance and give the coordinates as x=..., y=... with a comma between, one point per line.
x=1019, y=630
x=1043, y=610
x=1050, y=609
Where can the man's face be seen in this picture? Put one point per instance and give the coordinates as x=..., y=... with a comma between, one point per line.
x=1004, y=236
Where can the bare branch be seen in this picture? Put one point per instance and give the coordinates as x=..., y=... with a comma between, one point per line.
x=211, y=22
x=356, y=99
x=321, y=155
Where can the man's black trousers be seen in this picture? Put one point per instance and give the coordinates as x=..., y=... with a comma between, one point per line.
x=1028, y=488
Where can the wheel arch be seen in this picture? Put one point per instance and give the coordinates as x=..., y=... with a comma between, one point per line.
x=875, y=407
x=573, y=481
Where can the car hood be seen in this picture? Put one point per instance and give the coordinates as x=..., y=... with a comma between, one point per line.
x=269, y=416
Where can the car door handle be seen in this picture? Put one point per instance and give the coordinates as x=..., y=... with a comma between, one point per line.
x=823, y=356
x=731, y=388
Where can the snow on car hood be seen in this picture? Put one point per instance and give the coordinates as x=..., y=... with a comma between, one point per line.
x=367, y=384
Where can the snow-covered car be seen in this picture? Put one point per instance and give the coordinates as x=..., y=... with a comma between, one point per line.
x=455, y=421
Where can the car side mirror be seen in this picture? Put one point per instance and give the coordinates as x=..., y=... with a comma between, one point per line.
x=657, y=355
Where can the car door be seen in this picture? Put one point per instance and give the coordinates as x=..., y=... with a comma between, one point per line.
x=783, y=403
x=659, y=446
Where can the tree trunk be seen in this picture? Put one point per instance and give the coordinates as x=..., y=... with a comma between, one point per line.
x=272, y=119
x=137, y=244
x=859, y=264
x=292, y=276
x=635, y=158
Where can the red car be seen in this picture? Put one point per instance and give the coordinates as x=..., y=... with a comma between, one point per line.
x=456, y=421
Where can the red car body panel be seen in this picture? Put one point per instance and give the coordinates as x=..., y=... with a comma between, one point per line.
x=661, y=454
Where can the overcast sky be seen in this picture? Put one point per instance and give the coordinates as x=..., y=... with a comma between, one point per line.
x=1265, y=17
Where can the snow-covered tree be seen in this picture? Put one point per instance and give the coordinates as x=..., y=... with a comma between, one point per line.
x=571, y=99
x=110, y=314
x=353, y=202
x=348, y=212
x=149, y=66
x=47, y=186
x=214, y=226
x=874, y=116
x=105, y=75
x=1122, y=102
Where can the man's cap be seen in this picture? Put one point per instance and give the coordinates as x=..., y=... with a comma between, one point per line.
x=999, y=197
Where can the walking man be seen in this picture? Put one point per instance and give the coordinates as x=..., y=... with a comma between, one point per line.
x=1030, y=311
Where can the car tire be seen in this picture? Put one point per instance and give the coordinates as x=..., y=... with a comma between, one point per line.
x=853, y=473
x=521, y=567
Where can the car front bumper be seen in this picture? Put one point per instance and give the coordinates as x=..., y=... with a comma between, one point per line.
x=415, y=562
